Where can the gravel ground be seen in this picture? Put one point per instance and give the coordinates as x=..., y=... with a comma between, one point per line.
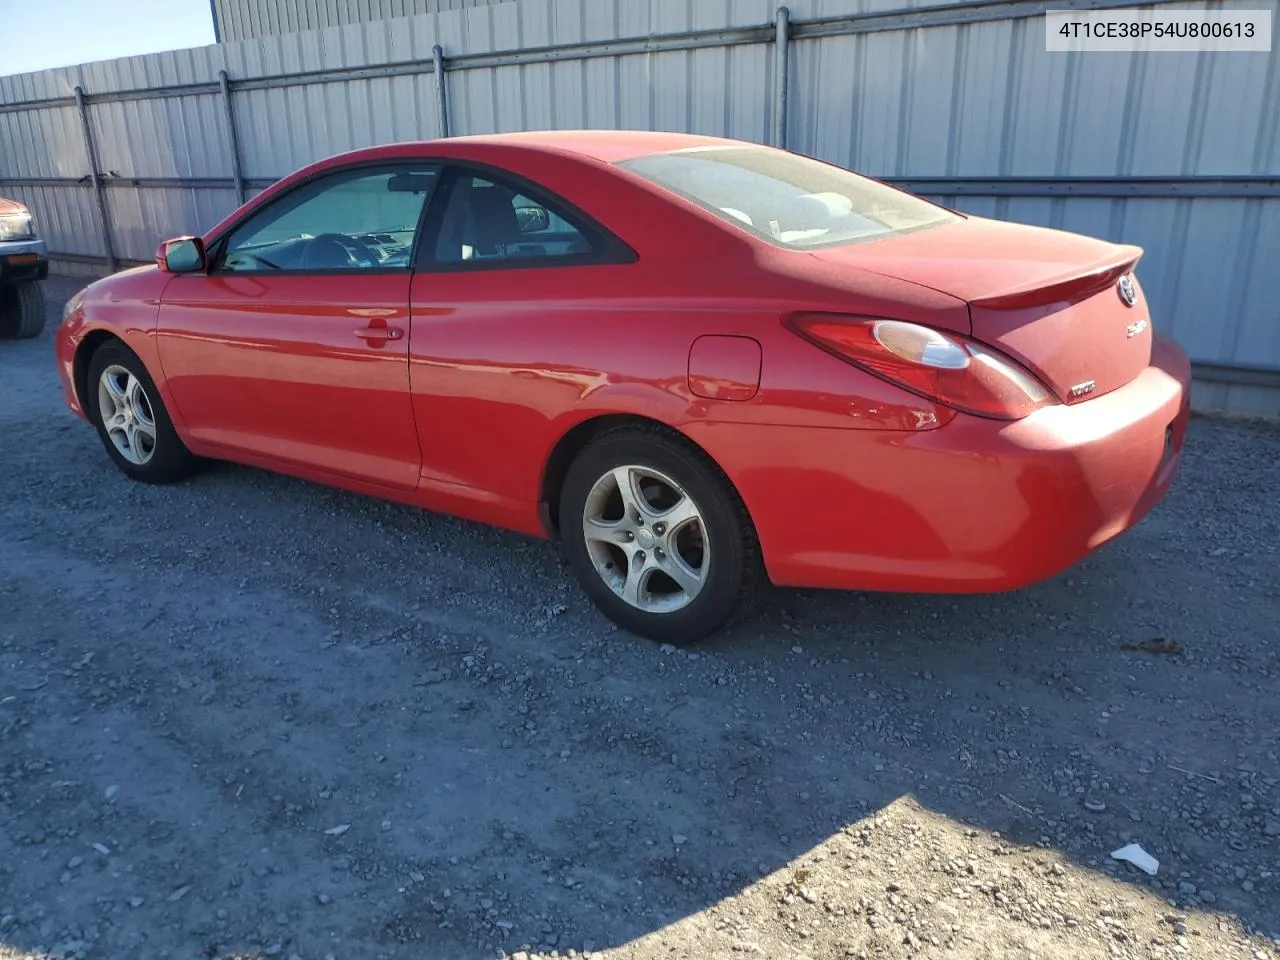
x=250, y=716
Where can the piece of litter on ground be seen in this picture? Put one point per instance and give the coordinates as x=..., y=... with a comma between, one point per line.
x=1134, y=854
x=1095, y=806
x=179, y=893
x=102, y=848
x=1017, y=806
x=339, y=830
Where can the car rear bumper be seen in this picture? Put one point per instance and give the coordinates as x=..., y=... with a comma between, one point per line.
x=973, y=506
x=22, y=260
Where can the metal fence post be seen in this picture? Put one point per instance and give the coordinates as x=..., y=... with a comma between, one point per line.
x=233, y=141
x=442, y=91
x=781, y=75
x=96, y=174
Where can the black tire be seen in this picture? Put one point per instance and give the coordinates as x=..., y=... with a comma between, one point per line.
x=169, y=458
x=732, y=562
x=22, y=310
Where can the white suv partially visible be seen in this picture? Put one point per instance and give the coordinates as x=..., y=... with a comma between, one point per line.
x=23, y=264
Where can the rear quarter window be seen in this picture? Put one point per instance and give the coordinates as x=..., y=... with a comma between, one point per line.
x=787, y=199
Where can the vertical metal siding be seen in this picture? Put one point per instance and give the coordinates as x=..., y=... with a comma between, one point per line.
x=986, y=100
x=162, y=138
x=980, y=100
x=140, y=219
x=252, y=19
x=41, y=143
x=284, y=128
x=48, y=143
x=65, y=216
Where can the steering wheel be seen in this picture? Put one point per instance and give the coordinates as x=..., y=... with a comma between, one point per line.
x=338, y=250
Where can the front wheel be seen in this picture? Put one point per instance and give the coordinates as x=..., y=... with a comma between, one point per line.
x=656, y=534
x=132, y=422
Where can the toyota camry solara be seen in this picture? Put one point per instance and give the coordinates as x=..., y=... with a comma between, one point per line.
x=696, y=362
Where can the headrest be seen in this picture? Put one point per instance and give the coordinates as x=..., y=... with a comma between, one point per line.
x=491, y=218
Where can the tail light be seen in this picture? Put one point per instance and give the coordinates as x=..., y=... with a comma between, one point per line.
x=950, y=369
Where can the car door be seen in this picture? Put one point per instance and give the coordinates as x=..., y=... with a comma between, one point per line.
x=509, y=300
x=293, y=346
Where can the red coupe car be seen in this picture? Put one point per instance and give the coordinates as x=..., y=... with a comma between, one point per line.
x=692, y=360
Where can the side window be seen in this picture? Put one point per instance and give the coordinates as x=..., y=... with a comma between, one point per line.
x=486, y=220
x=350, y=220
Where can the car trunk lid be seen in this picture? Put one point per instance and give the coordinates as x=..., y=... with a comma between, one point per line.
x=1048, y=299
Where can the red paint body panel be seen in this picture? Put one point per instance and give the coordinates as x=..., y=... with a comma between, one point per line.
x=462, y=412
x=275, y=366
x=1067, y=345
x=124, y=305
x=975, y=258
x=1033, y=294
x=724, y=368
x=975, y=506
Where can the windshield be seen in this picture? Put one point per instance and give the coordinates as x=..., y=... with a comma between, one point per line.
x=786, y=198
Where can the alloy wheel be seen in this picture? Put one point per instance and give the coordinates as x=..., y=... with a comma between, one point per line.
x=127, y=414
x=646, y=538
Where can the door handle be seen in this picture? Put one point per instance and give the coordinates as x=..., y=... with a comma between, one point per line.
x=378, y=334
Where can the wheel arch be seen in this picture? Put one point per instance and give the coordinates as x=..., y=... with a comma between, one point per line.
x=575, y=439
x=90, y=344
x=85, y=350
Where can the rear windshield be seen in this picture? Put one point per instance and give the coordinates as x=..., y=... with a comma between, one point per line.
x=785, y=198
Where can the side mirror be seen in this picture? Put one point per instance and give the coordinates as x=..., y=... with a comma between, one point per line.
x=532, y=219
x=181, y=255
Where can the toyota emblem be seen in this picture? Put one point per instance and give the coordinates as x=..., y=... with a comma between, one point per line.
x=1128, y=292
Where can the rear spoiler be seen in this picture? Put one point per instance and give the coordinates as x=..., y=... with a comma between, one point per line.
x=1069, y=288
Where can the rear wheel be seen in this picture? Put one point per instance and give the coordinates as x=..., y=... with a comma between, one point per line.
x=656, y=534
x=132, y=422
x=22, y=310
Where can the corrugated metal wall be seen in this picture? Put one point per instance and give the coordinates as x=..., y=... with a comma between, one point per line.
x=1176, y=152
x=249, y=19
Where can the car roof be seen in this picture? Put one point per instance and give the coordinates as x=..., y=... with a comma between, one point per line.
x=599, y=146
x=609, y=146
